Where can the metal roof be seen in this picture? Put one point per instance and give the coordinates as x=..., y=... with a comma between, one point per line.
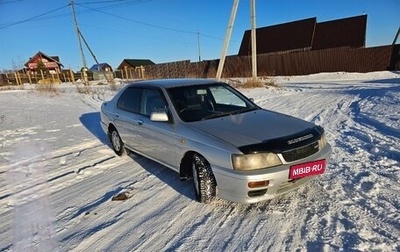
x=282, y=37
x=98, y=67
x=136, y=62
x=307, y=34
x=341, y=32
x=39, y=54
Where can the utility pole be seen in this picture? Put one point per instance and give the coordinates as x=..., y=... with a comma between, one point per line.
x=253, y=40
x=80, y=38
x=198, y=44
x=227, y=39
x=395, y=37
x=78, y=35
x=92, y=53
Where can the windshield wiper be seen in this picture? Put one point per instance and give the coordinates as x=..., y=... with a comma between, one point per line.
x=216, y=115
x=243, y=110
x=229, y=113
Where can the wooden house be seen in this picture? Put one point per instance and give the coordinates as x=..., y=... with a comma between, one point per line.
x=102, y=71
x=41, y=61
x=101, y=67
x=134, y=68
x=134, y=63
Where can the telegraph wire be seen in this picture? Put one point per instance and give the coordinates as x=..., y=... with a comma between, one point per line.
x=32, y=18
x=120, y=3
x=148, y=24
x=139, y=22
x=114, y=1
x=41, y=16
x=10, y=1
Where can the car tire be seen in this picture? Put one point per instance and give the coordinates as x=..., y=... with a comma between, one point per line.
x=203, y=180
x=116, y=142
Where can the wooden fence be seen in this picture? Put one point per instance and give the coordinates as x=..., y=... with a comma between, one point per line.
x=131, y=73
x=285, y=64
x=21, y=77
x=296, y=63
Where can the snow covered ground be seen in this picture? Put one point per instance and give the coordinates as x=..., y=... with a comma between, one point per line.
x=58, y=175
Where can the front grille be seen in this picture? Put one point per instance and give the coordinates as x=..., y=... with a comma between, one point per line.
x=301, y=152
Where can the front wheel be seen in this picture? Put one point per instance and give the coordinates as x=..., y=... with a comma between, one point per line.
x=203, y=180
x=116, y=142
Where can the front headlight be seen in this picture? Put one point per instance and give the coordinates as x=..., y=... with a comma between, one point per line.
x=255, y=161
x=322, y=142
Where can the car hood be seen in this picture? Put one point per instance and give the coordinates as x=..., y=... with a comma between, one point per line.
x=253, y=127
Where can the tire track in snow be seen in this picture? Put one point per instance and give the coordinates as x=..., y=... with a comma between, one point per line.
x=352, y=146
x=345, y=206
x=84, y=220
x=142, y=181
x=51, y=171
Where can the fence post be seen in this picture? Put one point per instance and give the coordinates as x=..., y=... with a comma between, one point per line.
x=126, y=72
x=19, y=78
x=41, y=72
x=29, y=77
x=142, y=72
x=8, y=79
x=72, y=76
x=16, y=78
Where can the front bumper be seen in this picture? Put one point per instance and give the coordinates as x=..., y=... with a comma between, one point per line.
x=233, y=185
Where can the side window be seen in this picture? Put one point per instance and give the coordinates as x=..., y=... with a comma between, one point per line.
x=130, y=100
x=152, y=101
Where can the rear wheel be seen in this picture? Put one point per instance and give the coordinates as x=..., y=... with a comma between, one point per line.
x=116, y=142
x=203, y=180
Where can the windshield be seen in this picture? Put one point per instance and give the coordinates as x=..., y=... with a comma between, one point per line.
x=202, y=102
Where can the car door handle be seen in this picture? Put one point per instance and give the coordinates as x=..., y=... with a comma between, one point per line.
x=116, y=115
x=140, y=122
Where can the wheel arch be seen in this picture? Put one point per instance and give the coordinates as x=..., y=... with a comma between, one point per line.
x=185, y=168
x=110, y=127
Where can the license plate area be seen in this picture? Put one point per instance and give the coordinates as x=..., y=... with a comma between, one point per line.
x=307, y=169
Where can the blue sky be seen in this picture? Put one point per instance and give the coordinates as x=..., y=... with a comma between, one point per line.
x=163, y=30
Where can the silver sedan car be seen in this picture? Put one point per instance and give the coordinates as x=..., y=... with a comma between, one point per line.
x=207, y=131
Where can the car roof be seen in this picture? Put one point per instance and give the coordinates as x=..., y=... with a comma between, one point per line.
x=168, y=83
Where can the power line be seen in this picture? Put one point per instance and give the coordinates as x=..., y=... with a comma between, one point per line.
x=139, y=22
x=114, y=1
x=32, y=18
x=107, y=1
x=10, y=1
x=148, y=24
x=119, y=3
x=42, y=16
